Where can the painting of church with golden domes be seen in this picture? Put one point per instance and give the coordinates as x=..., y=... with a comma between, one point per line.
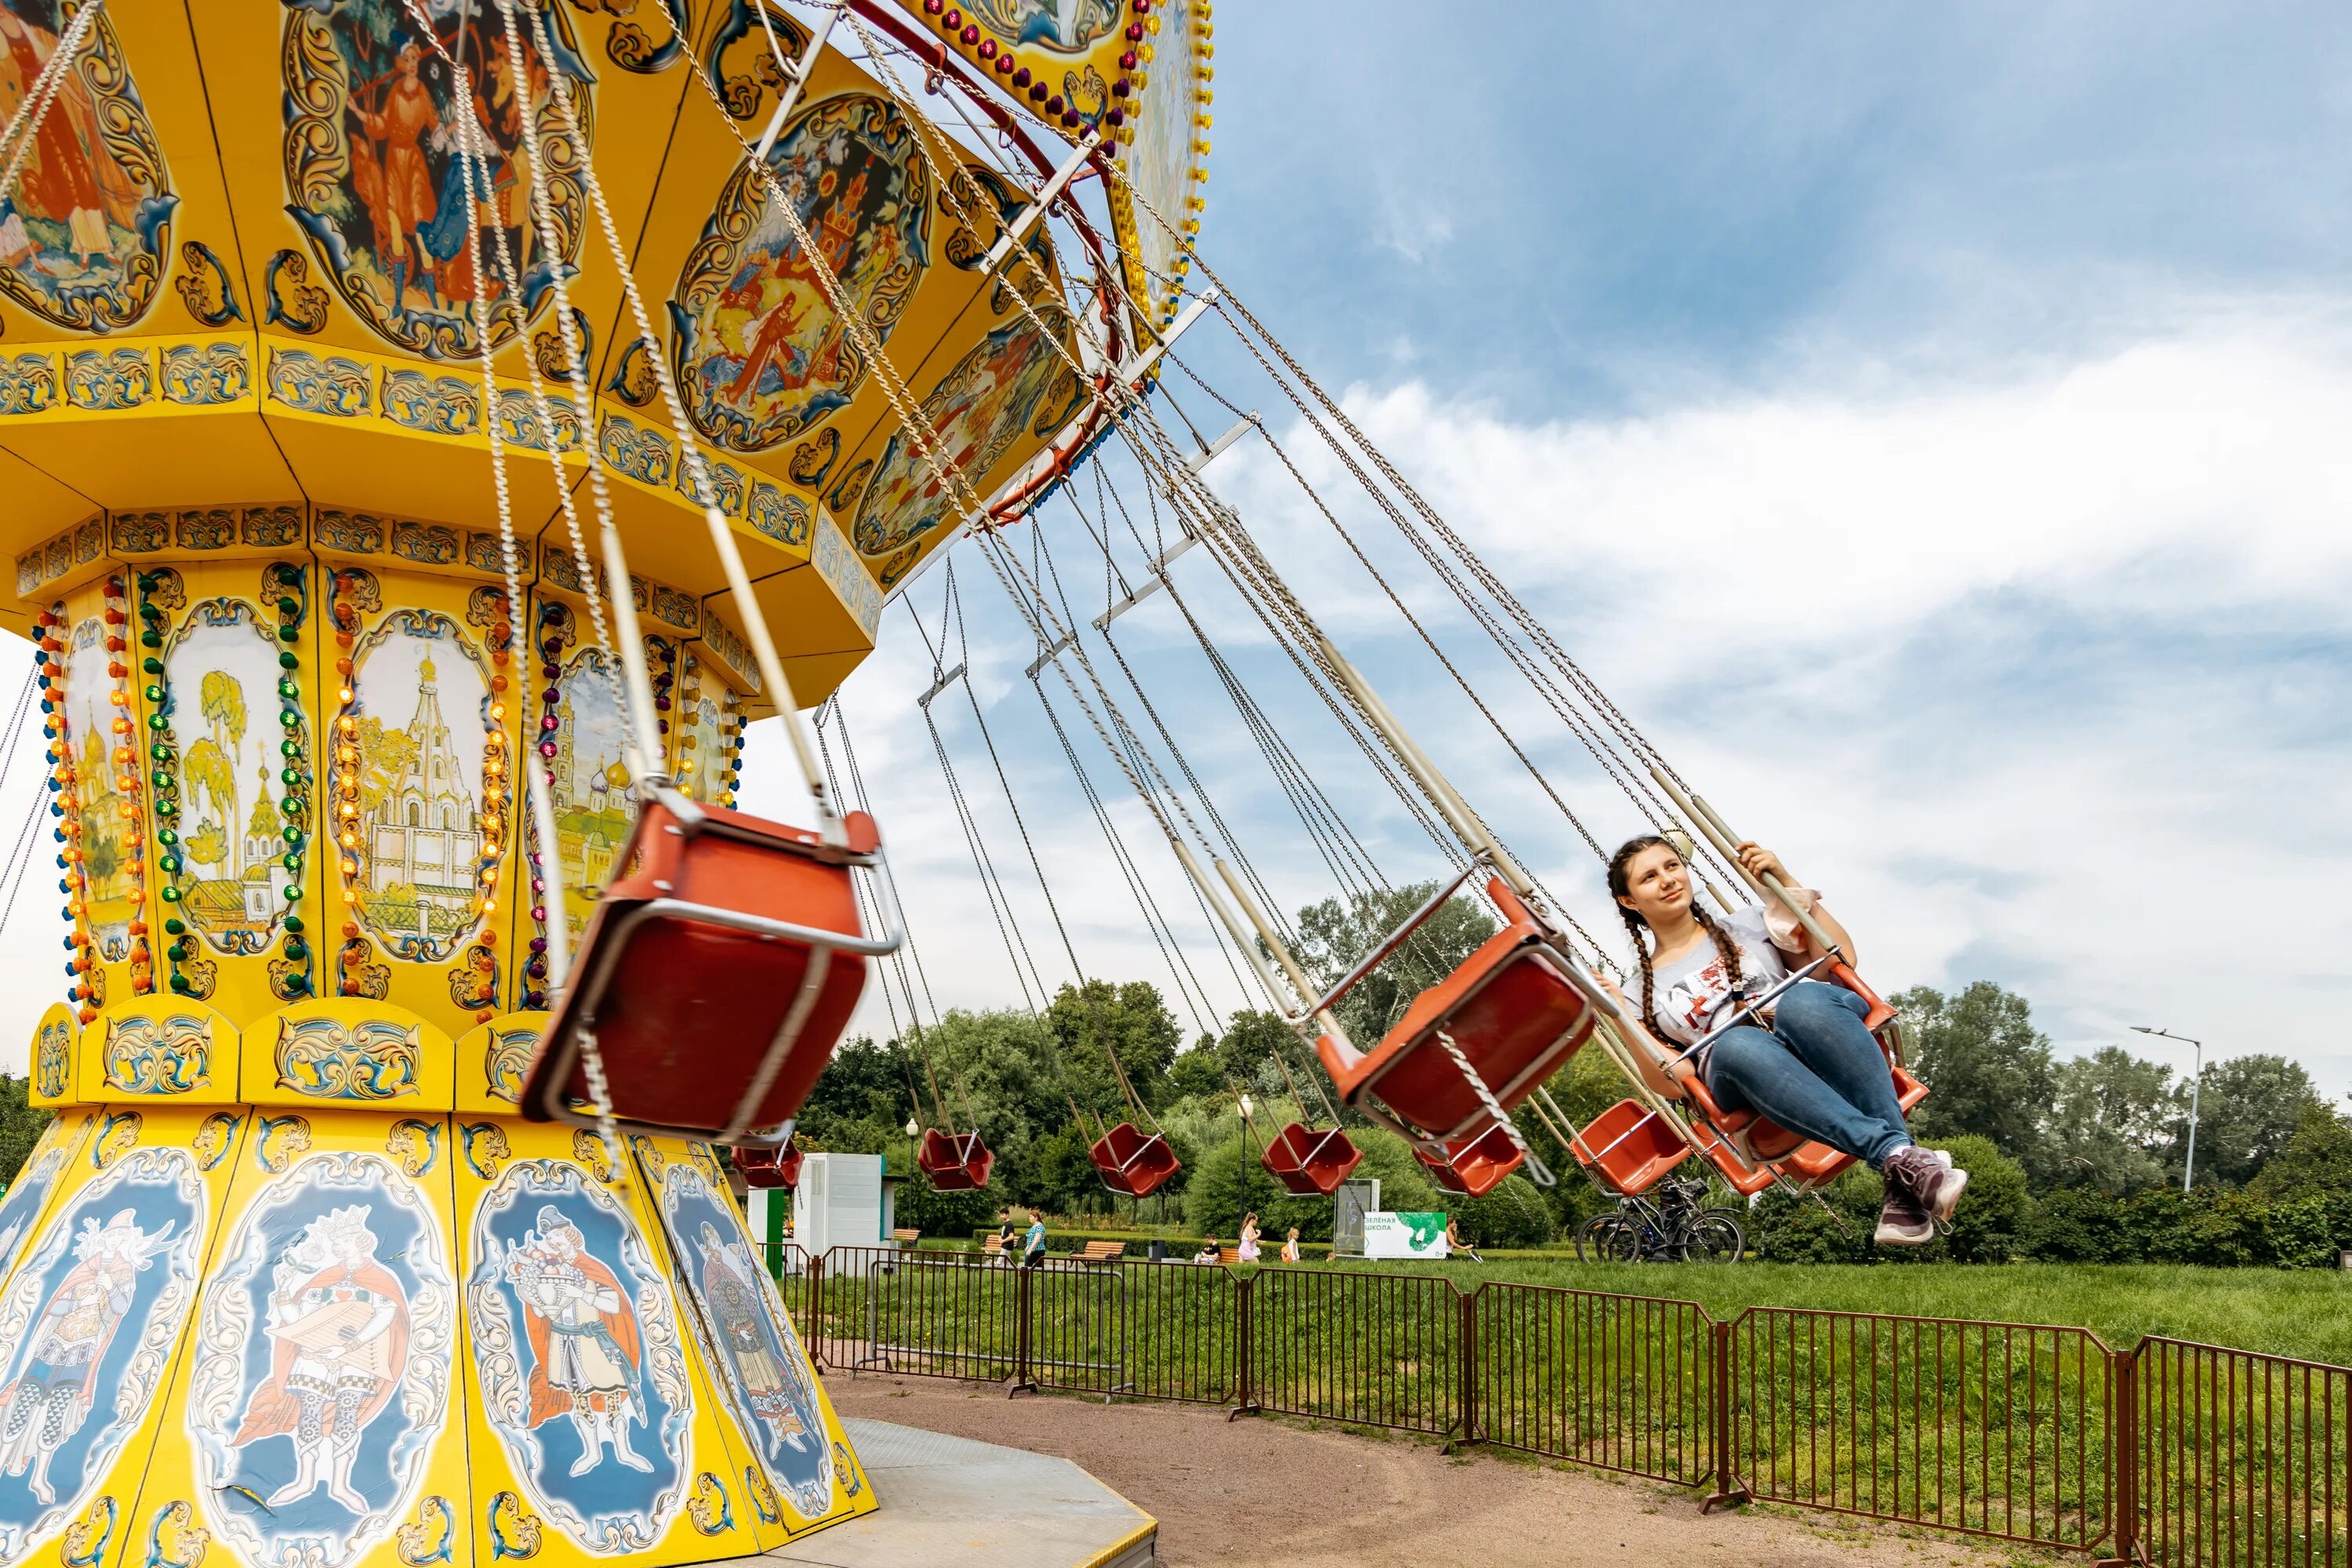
x=419, y=844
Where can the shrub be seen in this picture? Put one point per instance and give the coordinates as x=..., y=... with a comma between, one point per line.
x=2076, y=1225
x=1991, y=1224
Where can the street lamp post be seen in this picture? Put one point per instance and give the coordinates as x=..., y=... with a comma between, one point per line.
x=1243, y=1100
x=2196, y=1083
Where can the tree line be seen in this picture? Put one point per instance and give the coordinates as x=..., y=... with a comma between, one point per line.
x=2084, y=1138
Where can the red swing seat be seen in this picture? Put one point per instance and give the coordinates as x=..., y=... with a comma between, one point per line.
x=953, y=1162
x=717, y=975
x=1307, y=1162
x=1629, y=1147
x=1513, y=1009
x=1474, y=1166
x=1131, y=1164
x=770, y=1166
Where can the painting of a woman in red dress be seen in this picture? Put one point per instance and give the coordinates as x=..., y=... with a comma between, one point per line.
x=74, y=219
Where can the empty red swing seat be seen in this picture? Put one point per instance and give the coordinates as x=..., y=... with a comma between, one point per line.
x=953, y=1162
x=1514, y=1011
x=767, y=1166
x=1628, y=1147
x=716, y=976
x=1306, y=1161
x=1131, y=1164
x=1475, y=1166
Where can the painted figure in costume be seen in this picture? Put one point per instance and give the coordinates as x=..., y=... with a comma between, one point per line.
x=585, y=1351
x=398, y=188
x=52, y=1396
x=732, y=1288
x=72, y=178
x=339, y=1324
x=778, y=297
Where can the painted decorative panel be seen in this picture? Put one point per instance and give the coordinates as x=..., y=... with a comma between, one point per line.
x=84, y=234
x=99, y=792
x=759, y=353
x=372, y=173
x=1012, y=388
x=576, y=1356
x=87, y=1326
x=321, y=1380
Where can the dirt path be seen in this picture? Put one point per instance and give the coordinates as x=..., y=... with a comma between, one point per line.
x=1282, y=1496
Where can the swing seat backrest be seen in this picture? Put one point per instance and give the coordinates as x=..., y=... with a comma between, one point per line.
x=1629, y=1147
x=717, y=975
x=1512, y=1009
x=953, y=1162
x=767, y=1166
x=1307, y=1162
x=1474, y=1166
x=1132, y=1163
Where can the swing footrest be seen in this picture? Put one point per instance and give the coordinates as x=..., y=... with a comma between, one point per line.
x=954, y=1162
x=716, y=976
x=1474, y=1166
x=1307, y=1162
x=1131, y=1164
x=764, y=1166
x=1513, y=1012
x=1628, y=1147
x=1767, y=1144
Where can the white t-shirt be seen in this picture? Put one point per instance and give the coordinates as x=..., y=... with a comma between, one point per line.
x=1693, y=991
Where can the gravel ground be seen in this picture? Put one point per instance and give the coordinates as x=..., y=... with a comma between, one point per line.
x=1283, y=1495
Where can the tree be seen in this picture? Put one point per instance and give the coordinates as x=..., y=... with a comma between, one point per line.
x=2316, y=1161
x=2114, y=1117
x=1333, y=937
x=860, y=1101
x=1989, y=1069
x=1092, y=1022
x=21, y=1125
x=2250, y=1107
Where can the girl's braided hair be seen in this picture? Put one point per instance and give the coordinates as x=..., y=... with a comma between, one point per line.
x=1621, y=886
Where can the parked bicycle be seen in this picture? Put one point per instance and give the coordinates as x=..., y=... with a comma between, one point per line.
x=1671, y=1228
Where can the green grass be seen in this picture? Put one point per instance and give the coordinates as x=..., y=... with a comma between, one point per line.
x=2303, y=1312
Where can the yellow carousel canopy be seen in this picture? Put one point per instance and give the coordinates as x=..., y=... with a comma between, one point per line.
x=235, y=297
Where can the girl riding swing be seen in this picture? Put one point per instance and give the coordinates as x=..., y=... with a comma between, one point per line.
x=1806, y=1062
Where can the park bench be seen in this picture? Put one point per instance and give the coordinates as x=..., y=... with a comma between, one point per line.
x=1101, y=1252
x=906, y=1239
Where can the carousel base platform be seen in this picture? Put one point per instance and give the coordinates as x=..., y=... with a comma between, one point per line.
x=953, y=1501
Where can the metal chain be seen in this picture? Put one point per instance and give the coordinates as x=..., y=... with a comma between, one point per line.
x=1538, y=1171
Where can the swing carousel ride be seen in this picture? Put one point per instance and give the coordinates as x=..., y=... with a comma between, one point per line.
x=544, y=391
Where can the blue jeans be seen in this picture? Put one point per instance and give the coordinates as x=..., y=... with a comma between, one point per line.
x=1816, y=1072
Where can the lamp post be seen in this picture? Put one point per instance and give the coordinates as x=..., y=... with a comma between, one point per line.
x=2195, y=1082
x=1243, y=1100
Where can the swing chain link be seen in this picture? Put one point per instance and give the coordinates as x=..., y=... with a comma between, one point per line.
x=1538, y=1171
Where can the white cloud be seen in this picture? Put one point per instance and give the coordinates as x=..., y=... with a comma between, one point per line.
x=2043, y=679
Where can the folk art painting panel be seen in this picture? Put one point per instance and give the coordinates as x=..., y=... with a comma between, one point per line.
x=741, y=1325
x=759, y=353
x=85, y=233
x=90, y=1317
x=321, y=1383
x=576, y=1354
x=372, y=113
x=1011, y=388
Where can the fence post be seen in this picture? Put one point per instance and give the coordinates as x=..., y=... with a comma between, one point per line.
x=810, y=1333
x=1245, y=1347
x=2123, y=1457
x=1468, y=1347
x=1024, y=1309
x=1727, y=1486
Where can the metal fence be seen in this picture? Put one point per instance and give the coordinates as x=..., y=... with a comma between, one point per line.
x=2238, y=1458
x=2171, y=1453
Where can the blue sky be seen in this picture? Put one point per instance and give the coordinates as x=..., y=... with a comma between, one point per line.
x=1926, y=423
